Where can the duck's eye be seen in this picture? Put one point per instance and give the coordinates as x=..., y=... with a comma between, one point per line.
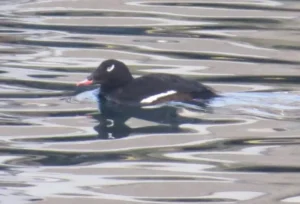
x=109, y=69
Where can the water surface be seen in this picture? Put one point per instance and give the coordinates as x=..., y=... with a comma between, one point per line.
x=56, y=147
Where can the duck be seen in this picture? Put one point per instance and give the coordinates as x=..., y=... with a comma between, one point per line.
x=118, y=85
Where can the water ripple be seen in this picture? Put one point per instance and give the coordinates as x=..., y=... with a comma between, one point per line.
x=57, y=143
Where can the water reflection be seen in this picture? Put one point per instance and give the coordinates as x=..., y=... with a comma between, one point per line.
x=56, y=145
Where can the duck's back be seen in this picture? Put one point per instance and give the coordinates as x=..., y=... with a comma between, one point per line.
x=155, y=88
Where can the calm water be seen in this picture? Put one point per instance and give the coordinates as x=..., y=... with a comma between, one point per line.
x=56, y=147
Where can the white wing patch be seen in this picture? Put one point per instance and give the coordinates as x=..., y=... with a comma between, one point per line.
x=153, y=98
x=109, y=69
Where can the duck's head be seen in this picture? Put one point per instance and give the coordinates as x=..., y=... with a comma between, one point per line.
x=110, y=74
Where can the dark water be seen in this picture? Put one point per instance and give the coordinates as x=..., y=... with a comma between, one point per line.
x=57, y=148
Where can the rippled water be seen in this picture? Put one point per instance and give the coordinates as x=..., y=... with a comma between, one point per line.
x=57, y=147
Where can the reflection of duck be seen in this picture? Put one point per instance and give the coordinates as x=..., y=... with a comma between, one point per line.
x=113, y=120
x=118, y=85
x=122, y=97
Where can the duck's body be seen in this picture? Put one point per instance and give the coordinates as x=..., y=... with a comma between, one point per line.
x=158, y=88
x=118, y=85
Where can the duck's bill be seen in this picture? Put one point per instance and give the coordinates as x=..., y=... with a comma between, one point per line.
x=85, y=82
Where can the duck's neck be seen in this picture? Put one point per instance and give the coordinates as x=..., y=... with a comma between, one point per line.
x=116, y=84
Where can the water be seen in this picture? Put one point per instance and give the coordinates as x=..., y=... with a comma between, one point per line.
x=56, y=147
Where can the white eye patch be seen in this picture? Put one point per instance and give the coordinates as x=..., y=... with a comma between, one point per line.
x=109, y=69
